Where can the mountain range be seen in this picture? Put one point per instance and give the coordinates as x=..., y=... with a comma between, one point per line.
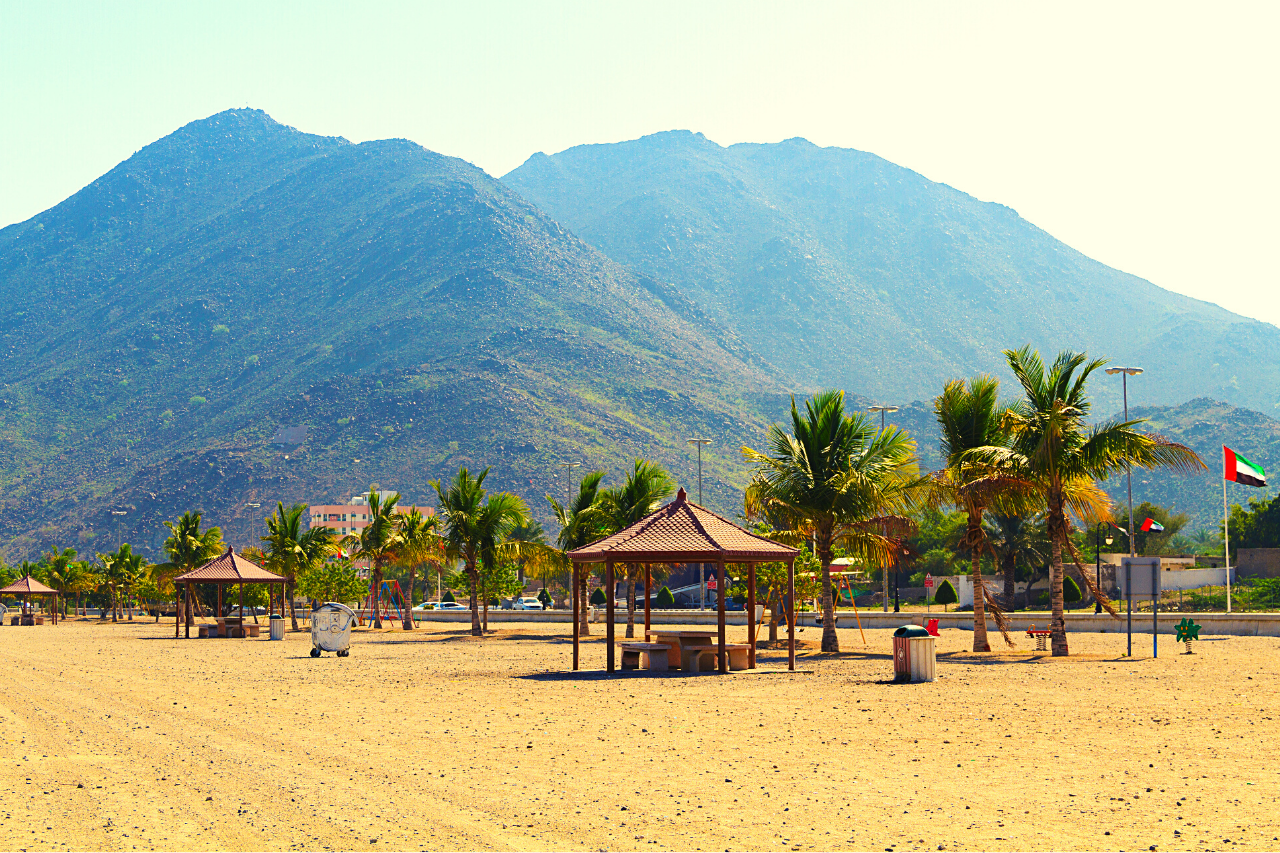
x=242, y=313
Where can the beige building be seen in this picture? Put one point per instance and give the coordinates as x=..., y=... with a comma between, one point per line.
x=350, y=518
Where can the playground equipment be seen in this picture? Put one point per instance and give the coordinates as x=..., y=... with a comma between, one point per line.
x=390, y=597
x=1187, y=631
x=331, y=629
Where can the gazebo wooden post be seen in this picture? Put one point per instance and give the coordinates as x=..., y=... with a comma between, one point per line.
x=575, y=617
x=608, y=614
x=724, y=656
x=791, y=614
x=648, y=594
x=187, y=609
x=220, y=613
x=241, y=606
x=177, y=611
x=751, y=615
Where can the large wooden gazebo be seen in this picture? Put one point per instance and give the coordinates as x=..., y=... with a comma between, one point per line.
x=227, y=569
x=27, y=587
x=683, y=532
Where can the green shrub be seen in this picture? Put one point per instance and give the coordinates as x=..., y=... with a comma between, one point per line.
x=448, y=596
x=197, y=400
x=545, y=598
x=1070, y=590
x=664, y=599
x=220, y=329
x=597, y=597
x=945, y=594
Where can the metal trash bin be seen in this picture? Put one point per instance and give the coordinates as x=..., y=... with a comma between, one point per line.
x=277, y=627
x=331, y=629
x=914, y=656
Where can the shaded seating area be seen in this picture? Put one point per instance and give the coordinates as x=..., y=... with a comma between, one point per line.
x=225, y=570
x=25, y=588
x=683, y=532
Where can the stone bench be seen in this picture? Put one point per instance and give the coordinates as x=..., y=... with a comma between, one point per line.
x=703, y=658
x=650, y=656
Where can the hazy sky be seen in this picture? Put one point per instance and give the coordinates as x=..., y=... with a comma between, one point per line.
x=1142, y=134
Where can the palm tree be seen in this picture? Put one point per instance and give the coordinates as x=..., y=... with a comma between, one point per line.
x=840, y=478
x=646, y=487
x=188, y=548
x=475, y=527
x=579, y=525
x=419, y=543
x=1052, y=445
x=378, y=542
x=291, y=550
x=60, y=570
x=972, y=479
x=1012, y=538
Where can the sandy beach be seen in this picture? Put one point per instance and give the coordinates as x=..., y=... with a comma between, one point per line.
x=118, y=737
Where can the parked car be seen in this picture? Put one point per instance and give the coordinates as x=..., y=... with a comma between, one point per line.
x=450, y=605
x=528, y=603
x=249, y=612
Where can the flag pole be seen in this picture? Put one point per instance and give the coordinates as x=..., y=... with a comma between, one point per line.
x=1226, y=539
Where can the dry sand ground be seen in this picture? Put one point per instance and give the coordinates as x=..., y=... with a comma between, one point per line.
x=120, y=737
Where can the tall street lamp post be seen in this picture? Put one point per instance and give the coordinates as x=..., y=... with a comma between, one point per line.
x=568, y=499
x=1125, y=373
x=702, y=567
x=884, y=410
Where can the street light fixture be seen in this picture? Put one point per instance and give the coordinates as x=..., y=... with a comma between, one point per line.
x=1125, y=373
x=702, y=567
x=1097, y=550
x=884, y=596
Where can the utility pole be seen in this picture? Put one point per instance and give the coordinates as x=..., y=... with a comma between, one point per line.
x=884, y=593
x=568, y=499
x=702, y=567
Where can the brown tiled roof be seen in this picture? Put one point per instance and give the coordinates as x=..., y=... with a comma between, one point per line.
x=28, y=586
x=683, y=532
x=229, y=568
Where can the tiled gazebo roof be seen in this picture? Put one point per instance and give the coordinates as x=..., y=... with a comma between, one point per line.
x=27, y=586
x=229, y=568
x=683, y=532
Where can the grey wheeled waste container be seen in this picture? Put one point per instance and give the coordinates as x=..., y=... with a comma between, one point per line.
x=277, y=627
x=914, y=656
x=331, y=629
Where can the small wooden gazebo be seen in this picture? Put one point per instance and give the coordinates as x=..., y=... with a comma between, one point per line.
x=229, y=568
x=683, y=532
x=29, y=586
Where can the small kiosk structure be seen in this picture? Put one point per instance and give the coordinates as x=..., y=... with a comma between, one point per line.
x=225, y=570
x=683, y=532
x=24, y=589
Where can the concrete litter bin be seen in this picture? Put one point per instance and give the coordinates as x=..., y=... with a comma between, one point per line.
x=914, y=656
x=331, y=629
x=277, y=627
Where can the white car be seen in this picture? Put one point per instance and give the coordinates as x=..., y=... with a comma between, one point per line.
x=450, y=605
x=529, y=603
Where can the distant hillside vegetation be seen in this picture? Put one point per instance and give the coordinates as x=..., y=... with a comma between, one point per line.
x=846, y=270
x=416, y=315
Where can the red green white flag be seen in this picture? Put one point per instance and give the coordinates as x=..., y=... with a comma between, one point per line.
x=1240, y=470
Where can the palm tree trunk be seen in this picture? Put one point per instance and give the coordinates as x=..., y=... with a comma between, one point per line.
x=775, y=615
x=1009, y=588
x=408, y=607
x=1057, y=623
x=584, y=627
x=474, y=579
x=288, y=594
x=830, y=641
x=980, y=643
x=375, y=592
x=1057, y=524
x=631, y=605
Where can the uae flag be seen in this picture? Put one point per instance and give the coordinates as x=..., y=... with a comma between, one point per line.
x=1240, y=470
x=1152, y=526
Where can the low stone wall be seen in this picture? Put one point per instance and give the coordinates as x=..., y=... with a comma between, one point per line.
x=1235, y=624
